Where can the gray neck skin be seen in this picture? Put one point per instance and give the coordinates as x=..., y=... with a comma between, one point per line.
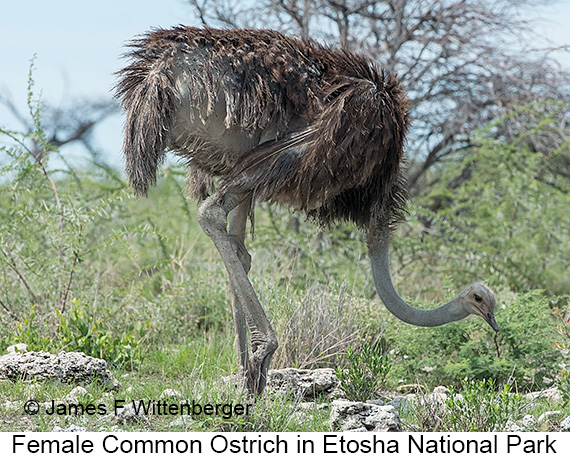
x=378, y=251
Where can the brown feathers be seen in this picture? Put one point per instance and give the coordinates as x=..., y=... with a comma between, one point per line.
x=287, y=120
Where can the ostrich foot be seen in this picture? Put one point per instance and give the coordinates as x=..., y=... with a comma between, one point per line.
x=258, y=364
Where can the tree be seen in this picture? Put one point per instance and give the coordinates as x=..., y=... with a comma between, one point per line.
x=64, y=125
x=464, y=62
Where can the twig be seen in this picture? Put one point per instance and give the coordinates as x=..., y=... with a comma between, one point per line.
x=12, y=315
x=12, y=263
x=497, y=345
x=44, y=172
x=68, y=286
x=564, y=47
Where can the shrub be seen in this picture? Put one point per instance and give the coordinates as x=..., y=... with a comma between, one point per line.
x=314, y=328
x=80, y=331
x=364, y=370
x=481, y=407
x=52, y=229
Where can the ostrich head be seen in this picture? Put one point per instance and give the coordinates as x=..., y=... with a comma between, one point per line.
x=478, y=299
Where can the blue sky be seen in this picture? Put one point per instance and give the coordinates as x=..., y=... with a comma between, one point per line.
x=78, y=45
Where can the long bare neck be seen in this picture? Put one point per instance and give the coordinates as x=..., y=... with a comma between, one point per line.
x=378, y=251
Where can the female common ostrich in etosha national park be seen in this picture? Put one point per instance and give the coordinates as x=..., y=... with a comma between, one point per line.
x=259, y=116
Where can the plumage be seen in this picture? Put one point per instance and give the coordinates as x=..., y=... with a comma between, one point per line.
x=259, y=116
x=316, y=128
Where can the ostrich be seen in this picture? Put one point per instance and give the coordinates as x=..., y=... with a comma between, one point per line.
x=259, y=116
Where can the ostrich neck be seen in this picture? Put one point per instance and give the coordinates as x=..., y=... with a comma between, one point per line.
x=378, y=251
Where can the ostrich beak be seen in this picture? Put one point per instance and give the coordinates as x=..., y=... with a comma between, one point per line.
x=490, y=319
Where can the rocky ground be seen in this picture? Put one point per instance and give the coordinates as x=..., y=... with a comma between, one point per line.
x=310, y=389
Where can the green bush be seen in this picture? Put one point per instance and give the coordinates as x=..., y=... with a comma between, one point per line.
x=364, y=370
x=523, y=350
x=79, y=330
x=81, y=265
x=498, y=216
x=479, y=406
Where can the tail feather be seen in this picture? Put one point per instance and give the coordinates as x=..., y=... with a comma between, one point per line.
x=147, y=91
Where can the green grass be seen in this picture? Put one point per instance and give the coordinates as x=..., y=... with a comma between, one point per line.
x=198, y=384
x=481, y=406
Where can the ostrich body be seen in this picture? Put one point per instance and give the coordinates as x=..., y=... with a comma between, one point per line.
x=258, y=116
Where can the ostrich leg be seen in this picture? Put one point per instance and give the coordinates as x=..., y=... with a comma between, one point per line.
x=238, y=220
x=213, y=218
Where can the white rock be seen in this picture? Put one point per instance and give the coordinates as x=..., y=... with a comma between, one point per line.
x=76, y=393
x=360, y=429
x=548, y=416
x=400, y=403
x=553, y=394
x=529, y=421
x=437, y=398
x=441, y=390
x=171, y=393
x=128, y=414
x=512, y=427
x=349, y=415
x=303, y=384
x=67, y=367
x=17, y=348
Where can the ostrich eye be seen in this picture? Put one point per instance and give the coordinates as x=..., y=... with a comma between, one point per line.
x=478, y=298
